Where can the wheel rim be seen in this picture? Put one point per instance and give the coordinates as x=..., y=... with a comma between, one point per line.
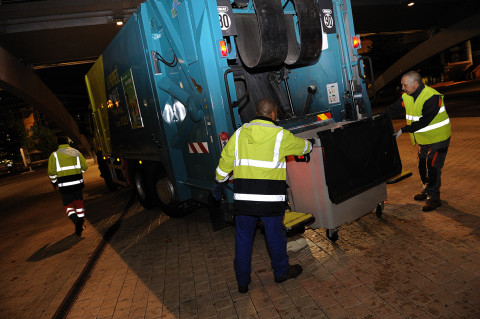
x=139, y=185
x=165, y=190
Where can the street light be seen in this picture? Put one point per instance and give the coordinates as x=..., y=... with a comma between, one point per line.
x=118, y=21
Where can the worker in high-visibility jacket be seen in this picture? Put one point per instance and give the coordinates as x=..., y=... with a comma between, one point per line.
x=256, y=154
x=65, y=168
x=429, y=127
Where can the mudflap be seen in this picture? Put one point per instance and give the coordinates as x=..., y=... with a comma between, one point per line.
x=404, y=174
x=296, y=222
x=220, y=215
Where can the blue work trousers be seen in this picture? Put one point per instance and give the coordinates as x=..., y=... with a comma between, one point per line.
x=276, y=244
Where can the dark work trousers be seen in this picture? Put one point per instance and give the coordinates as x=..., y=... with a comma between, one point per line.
x=430, y=162
x=73, y=203
x=276, y=244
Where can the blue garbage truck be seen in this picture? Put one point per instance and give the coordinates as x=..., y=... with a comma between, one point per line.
x=182, y=75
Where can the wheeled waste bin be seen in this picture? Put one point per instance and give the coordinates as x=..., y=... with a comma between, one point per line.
x=346, y=175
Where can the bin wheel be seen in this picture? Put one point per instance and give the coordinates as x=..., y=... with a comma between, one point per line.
x=379, y=210
x=332, y=234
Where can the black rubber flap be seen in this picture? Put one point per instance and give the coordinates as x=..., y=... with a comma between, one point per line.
x=359, y=156
x=310, y=31
x=262, y=38
x=217, y=213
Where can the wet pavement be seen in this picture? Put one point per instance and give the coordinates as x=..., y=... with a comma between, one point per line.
x=406, y=264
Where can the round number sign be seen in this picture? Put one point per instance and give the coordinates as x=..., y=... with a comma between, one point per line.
x=225, y=22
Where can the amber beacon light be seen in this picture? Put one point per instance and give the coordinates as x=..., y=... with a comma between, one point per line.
x=223, y=48
x=356, y=42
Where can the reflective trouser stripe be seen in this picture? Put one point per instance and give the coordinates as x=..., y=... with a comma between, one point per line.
x=70, y=211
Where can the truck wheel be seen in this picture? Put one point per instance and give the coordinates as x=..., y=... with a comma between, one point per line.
x=111, y=185
x=105, y=173
x=164, y=193
x=164, y=190
x=144, y=192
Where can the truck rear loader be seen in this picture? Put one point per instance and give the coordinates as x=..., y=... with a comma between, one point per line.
x=182, y=75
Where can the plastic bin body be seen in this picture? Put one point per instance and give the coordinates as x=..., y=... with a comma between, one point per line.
x=347, y=172
x=308, y=193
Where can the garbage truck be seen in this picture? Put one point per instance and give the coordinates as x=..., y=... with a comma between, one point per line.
x=182, y=75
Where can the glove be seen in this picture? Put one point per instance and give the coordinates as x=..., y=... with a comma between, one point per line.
x=398, y=133
x=311, y=140
x=217, y=191
x=303, y=158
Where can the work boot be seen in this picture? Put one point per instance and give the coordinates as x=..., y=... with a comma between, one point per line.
x=293, y=271
x=420, y=196
x=74, y=218
x=79, y=226
x=431, y=204
x=244, y=289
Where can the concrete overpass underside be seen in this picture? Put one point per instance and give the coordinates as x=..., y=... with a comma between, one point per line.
x=22, y=82
x=457, y=33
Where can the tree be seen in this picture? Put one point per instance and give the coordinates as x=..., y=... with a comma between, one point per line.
x=12, y=134
x=41, y=138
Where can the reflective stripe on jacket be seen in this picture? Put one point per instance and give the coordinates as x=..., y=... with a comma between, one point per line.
x=65, y=168
x=439, y=129
x=256, y=154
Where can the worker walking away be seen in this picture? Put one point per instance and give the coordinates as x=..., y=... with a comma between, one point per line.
x=429, y=127
x=65, y=168
x=256, y=154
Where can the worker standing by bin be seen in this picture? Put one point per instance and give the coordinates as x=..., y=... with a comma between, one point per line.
x=429, y=127
x=256, y=155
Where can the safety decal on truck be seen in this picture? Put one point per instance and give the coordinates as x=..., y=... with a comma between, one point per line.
x=324, y=116
x=175, y=5
x=198, y=148
x=332, y=92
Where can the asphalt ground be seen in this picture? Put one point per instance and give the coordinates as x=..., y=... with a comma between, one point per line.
x=406, y=264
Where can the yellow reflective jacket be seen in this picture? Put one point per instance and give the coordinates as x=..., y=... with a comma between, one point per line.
x=256, y=154
x=65, y=168
x=439, y=129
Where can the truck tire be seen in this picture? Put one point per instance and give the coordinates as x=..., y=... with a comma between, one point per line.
x=105, y=173
x=143, y=188
x=111, y=185
x=165, y=195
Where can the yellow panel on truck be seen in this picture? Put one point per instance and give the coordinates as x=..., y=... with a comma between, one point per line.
x=95, y=81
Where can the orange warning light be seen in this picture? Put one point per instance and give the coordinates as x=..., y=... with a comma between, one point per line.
x=356, y=42
x=223, y=48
